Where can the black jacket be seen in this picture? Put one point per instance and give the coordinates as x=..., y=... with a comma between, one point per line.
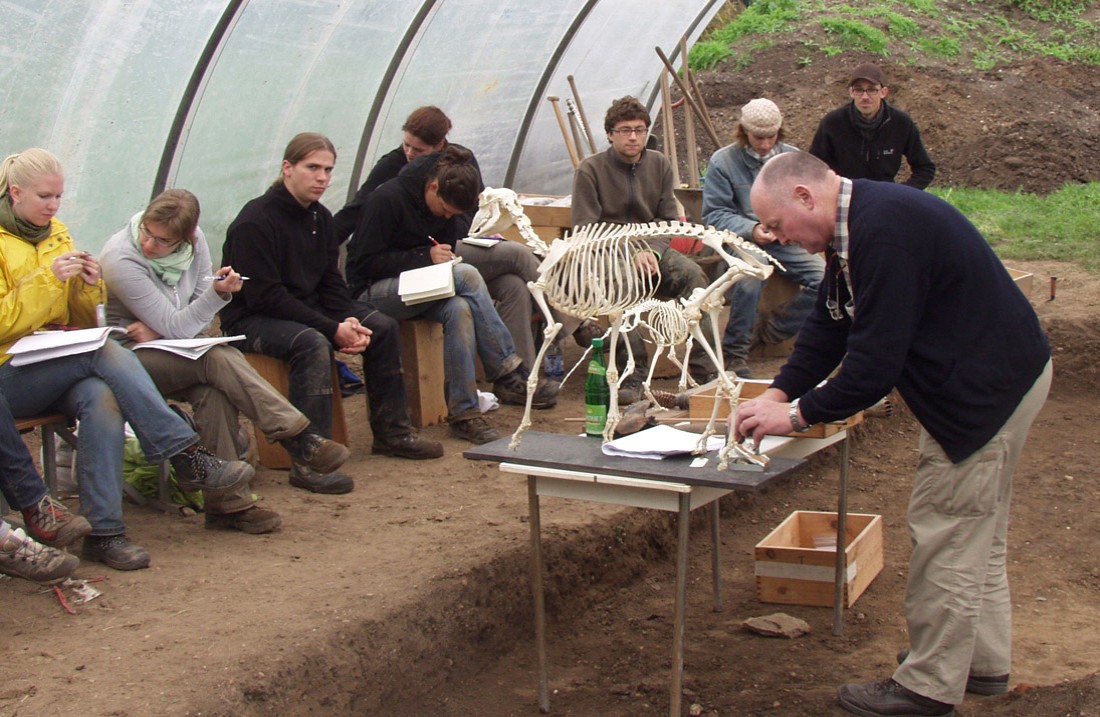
x=840, y=144
x=291, y=258
x=396, y=228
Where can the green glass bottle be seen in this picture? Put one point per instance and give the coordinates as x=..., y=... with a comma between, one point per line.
x=597, y=395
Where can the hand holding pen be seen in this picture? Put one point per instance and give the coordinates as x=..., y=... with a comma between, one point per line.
x=227, y=281
x=440, y=252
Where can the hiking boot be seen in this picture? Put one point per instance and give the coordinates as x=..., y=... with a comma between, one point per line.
x=50, y=522
x=631, y=390
x=975, y=684
x=116, y=551
x=23, y=557
x=476, y=430
x=315, y=451
x=408, y=446
x=199, y=469
x=738, y=366
x=886, y=698
x=333, y=483
x=512, y=389
x=254, y=520
x=588, y=330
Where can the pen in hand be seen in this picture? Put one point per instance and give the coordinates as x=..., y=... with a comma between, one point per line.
x=219, y=278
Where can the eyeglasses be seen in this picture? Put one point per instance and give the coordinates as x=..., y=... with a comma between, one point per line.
x=161, y=241
x=869, y=91
x=627, y=131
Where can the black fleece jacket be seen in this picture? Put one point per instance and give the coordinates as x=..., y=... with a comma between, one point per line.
x=291, y=258
x=396, y=228
x=839, y=143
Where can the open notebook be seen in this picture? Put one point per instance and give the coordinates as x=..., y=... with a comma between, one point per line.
x=427, y=283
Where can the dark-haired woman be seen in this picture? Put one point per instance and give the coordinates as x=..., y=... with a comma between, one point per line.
x=413, y=221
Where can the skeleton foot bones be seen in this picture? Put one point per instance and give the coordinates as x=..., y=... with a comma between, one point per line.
x=589, y=273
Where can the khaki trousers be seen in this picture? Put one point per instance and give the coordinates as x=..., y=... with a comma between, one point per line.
x=957, y=604
x=219, y=385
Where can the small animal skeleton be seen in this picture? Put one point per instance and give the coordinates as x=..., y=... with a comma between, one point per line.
x=591, y=273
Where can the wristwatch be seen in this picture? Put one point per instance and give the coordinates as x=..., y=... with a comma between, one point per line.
x=797, y=424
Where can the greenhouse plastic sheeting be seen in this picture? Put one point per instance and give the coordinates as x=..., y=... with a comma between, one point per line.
x=138, y=95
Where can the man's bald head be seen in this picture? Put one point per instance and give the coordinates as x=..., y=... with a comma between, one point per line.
x=794, y=196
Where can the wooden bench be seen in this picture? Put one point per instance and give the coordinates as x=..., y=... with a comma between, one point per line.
x=422, y=362
x=277, y=373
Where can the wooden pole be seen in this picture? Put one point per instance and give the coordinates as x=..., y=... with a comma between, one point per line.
x=565, y=132
x=687, y=95
x=692, y=147
x=704, y=116
x=669, y=127
x=580, y=113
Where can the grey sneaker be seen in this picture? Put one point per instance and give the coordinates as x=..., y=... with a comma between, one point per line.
x=115, y=551
x=199, y=469
x=317, y=452
x=25, y=558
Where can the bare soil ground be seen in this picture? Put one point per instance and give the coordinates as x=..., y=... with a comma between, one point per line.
x=411, y=595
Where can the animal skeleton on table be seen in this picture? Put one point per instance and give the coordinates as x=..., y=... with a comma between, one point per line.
x=591, y=273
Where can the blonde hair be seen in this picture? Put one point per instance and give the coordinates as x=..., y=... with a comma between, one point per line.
x=177, y=210
x=23, y=168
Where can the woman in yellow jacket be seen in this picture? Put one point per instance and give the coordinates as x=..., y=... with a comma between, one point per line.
x=45, y=280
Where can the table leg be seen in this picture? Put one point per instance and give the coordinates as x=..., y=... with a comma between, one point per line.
x=535, y=520
x=840, y=577
x=676, y=689
x=714, y=556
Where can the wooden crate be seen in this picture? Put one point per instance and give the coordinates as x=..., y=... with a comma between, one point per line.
x=1023, y=279
x=549, y=222
x=701, y=403
x=790, y=570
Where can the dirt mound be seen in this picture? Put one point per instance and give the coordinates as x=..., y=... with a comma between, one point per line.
x=1032, y=126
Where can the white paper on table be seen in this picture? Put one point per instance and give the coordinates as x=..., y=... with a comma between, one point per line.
x=659, y=442
x=188, y=348
x=46, y=345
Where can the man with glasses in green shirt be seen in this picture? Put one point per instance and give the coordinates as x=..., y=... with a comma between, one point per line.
x=866, y=138
x=630, y=183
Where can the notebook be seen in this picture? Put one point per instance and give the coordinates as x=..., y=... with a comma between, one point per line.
x=428, y=283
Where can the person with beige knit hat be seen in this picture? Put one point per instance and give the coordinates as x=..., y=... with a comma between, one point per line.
x=758, y=137
x=866, y=138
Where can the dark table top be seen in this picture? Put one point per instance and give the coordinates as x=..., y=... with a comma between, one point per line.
x=556, y=450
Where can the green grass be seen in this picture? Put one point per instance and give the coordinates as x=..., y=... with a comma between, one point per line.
x=1063, y=226
x=987, y=36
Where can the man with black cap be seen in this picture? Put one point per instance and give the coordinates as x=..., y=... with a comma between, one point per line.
x=866, y=138
x=757, y=138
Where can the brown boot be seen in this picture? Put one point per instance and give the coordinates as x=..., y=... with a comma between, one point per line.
x=255, y=520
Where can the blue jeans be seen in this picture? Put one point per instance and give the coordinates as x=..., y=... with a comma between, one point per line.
x=19, y=480
x=102, y=389
x=309, y=354
x=471, y=327
x=800, y=267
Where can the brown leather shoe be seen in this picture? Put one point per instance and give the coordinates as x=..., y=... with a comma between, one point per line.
x=889, y=699
x=410, y=446
x=254, y=520
x=475, y=430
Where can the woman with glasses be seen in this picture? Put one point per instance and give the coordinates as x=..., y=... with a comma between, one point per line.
x=46, y=281
x=158, y=270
